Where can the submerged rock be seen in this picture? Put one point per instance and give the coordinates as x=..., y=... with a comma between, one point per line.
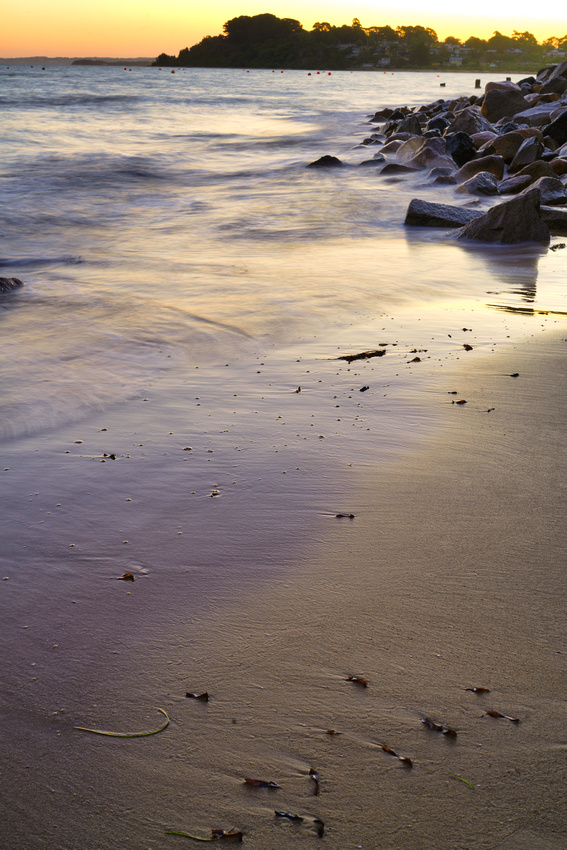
x=514, y=221
x=426, y=214
x=326, y=162
x=7, y=284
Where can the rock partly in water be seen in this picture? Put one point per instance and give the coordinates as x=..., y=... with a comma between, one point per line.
x=426, y=214
x=397, y=168
x=326, y=162
x=512, y=222
x=7, y=284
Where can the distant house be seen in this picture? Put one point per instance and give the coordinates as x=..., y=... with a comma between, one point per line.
x=455, y=60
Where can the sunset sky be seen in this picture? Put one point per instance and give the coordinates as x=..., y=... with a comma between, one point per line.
x=129, y=28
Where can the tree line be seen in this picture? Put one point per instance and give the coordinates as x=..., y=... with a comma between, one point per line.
x=266, y=41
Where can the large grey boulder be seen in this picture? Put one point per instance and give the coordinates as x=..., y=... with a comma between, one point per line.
x=411, y=124
x=552, y=191
x=514, y=185
x=469, y=121
x=500, y=103
x=7, y=284
x=529, y=151
x=514, y=221
x=538, y=115
x=557, y=129
x=559, y=71
x=494, y=164
x=483, y=183
x=426, y=214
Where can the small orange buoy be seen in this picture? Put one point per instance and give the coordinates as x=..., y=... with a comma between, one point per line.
x=173, y=72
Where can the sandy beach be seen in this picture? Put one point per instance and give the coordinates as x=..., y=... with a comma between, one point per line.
x=450, y=576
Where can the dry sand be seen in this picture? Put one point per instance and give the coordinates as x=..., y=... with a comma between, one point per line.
x=450, y=576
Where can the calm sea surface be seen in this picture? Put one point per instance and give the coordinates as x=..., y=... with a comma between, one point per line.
x=159, y=219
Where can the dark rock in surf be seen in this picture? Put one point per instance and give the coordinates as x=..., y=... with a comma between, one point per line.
x=426, y=214
x=512, y=222
x=8, y=284
x=326, y=162
x=377, y=159
x=397, y=168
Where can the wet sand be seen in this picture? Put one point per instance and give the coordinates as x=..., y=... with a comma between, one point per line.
x=450, y=576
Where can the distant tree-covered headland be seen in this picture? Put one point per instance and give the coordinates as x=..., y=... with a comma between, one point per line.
x=266, y=41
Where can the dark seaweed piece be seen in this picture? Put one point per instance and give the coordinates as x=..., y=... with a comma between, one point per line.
x=467, y=347
x=333, y=732
x=261, y=783
x=358, y=680
x=415, y=360
x=404, y=759
x=315, y=777
x=298, y=390
x=503, y=716
x=320, y=827
x=439, y=727
x=478, y=690
x=364, y=355
x=462, y=401
x=231, y=835
x=288, y=816
x=126, y=577
x=204, y=697
x=363, y=389
x=515, y=375
x=344, y=516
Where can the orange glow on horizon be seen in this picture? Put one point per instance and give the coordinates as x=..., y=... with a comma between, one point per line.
x=131, y=28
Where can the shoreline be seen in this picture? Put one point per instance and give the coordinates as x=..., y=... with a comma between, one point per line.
x=436, y=585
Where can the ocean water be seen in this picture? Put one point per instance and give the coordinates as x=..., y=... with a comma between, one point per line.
x=160, y=220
